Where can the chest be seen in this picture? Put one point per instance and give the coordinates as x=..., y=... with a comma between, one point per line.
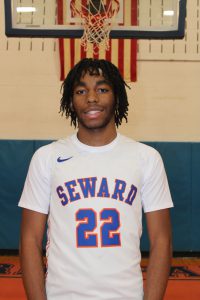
x=96, y=176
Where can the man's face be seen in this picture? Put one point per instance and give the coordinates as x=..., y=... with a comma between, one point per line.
x=93, y=102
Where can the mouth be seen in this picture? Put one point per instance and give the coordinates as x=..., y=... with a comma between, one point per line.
x=93, y=113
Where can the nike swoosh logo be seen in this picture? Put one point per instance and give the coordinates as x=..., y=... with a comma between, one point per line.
x=59, y=159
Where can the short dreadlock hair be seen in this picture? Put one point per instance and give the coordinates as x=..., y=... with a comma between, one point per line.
x=95, y=67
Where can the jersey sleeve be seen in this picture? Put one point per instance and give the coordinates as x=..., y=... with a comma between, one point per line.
x=155, y=193
x=37, y=188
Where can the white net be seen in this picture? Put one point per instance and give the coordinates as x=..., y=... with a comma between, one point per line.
x=97, y=17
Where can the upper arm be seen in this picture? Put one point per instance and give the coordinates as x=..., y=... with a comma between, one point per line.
x=37, y=189
x=33, y=227
x=159, y=226
x=155, y=193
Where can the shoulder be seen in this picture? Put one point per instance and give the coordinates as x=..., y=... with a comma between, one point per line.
x=45, y=156
x=46, y=152
x=145, y=157
x=42, y=155
x=140, y=150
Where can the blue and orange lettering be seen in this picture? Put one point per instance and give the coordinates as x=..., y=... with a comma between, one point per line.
x=120, y=186
x=71, y=190
x=62, y=195
x=131, y=195
x=88, y=186
x=103, y=190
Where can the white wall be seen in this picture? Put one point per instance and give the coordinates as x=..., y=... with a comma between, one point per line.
x=164, y=102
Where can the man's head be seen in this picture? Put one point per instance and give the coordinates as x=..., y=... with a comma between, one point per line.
x=105, y=71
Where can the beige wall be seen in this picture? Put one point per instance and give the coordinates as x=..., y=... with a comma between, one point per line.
x=164, y=102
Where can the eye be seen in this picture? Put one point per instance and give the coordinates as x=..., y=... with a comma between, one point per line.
x=80, y=92
x=102, y=90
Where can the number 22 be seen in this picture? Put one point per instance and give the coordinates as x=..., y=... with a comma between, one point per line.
x=109, y=237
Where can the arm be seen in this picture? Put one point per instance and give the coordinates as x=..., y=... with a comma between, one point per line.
x=159, y=230
x=32, y=231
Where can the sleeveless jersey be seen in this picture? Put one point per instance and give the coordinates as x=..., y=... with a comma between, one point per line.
x=94, y=198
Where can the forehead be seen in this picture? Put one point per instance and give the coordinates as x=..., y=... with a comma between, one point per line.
x=91, y=77
x=88, y=78
x=92, y=71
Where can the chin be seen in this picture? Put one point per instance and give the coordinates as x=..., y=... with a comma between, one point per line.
x=94, y=125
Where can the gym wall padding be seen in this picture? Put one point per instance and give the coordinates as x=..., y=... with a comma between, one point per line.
x=182, y=163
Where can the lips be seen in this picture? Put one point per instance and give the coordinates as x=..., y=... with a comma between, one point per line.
x=93, y=112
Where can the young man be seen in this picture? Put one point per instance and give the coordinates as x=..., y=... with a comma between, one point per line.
x=91, y=187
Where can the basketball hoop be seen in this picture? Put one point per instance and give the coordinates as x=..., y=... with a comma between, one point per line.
x=97, y=17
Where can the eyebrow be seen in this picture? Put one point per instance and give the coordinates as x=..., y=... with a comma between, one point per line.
x=99, y=82
x=104, y=81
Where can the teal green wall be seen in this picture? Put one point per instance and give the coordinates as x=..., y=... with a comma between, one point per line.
x=182, y=163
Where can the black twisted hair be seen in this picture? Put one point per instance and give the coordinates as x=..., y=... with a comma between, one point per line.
x=95, y=67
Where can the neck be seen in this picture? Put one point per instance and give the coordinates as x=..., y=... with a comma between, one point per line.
x=96, y=137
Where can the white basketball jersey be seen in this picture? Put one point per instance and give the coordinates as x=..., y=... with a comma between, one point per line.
x=94, y=197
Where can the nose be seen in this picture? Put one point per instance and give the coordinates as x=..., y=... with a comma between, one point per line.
x=92, y=97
